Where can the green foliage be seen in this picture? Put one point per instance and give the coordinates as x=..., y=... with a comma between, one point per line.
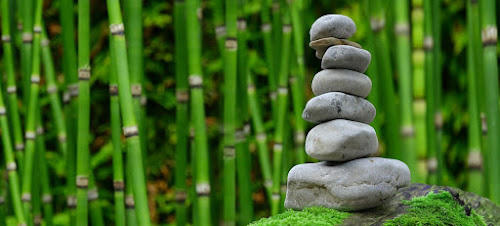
x=436, y=209
x=309, y=216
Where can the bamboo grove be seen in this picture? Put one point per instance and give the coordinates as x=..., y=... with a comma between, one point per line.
x=190, y=111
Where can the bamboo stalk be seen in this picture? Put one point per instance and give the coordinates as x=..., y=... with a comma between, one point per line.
x=26, y=13
x=95, y=209
x=3, y=195
x=220, y=27
x=131, y=217
x=267, y=34
x=475, y=158
x=12, y=100
x=201, y=163
x=438, y=116
x=70, y=100
x=403, y=51
x=489, y=39
x=30, y=134
x=46, y=194
x=130, y=128
x=82, y=143
x=282, y=110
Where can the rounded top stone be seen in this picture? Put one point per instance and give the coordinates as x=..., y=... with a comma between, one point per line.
x=332, y=25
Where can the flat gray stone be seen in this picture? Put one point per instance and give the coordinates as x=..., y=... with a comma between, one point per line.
x=321, y=45
x=346, y=57
x=351, y=186
x=336, y=105
x=341, y=80
x=332, y=25
x=341, y=140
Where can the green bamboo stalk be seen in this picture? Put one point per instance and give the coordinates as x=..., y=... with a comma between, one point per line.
x=437, y=82
x=30, y=134
x=46, y=194
x=385, y=84
x=71, y=101
x=243, y=157
x=95, y=209
x=118, y=177
x=10, y=161
x=489, y=39
x=475, y=158
x=131, y=217
x=12, y=100
x=193, y=17
x=277, y=37
x=3, y=195
x=419, y=103
x=229, y=116
x=267, y=34
x=220, y=27
x=26, y=13
x=403, y=51
x=82, y=143
x=36, y=203
x=282, y=111
x=430, y=93
x=130, y=128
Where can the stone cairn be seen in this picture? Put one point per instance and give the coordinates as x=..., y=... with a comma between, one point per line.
x=346, y=179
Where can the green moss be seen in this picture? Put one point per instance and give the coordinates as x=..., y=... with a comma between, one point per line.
x=436, y=209
x=310, y=216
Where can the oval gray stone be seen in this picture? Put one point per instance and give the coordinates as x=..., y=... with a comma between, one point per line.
x=351, y=186
x=341, y=140
x=341, y=80
x=336, y=105
x=332, y=25
x=321, y=45
x=346, y=57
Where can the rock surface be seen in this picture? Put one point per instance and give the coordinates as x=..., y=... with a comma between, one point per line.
x=341, y=80
x=321, y=45
x=346, y=57
x=332, y=25
x=341, y=140
x=351, y=186
x=336, y=105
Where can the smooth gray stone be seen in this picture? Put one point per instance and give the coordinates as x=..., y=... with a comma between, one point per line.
x=341, y=80
x=341, y=140
x=336, y=105
x=351, y=186
x=346, y=57
x=332, y=25
x=321, y=45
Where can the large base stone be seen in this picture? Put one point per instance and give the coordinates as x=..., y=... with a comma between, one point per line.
x=351, y=186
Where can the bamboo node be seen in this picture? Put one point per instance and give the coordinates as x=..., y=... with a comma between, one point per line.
x=29, y=135
x=484, y=124
x=276, y=6
x=407, y=131
x=47, y=198
x=66, y=98
x=283, y=90
x=220, y=31
x=180, y=196
x=27, y=37
x=475, y=160
x=6, y=38
x=37, y=29
x=11, y=89
x=231, y=43
x=203, y=189
x=273, y=95
x=199, y=13
x=428, y=43
x=182, y=96
x=11, y=166
x=83, y=74
x=144, y=100
x=3, y=111
x=402, y=28
x=283, y=188
x=22, y=224
x=20, y=26
x=489, y=35
x=239, y=136
x=71, y=202
x=278, y=147
x=19, y=146
x=119, y=185
x=92, y=194
x=129, y=202
x=62, y=137
x=247, y=128
x=251, y=88
x=39, y=130
x=35, y=79
x=432, y=165
x=229, y=152
x=438, y=120
x=51, y=89
x=130, y=131
x=73, y=90
x=292, y=80
x=117, y=29
x=268, y=183
x=37, y=219
x=287, y=28
x=136, y=90
x=195, y=81
x=242, y=24
x=26, y=197
x=113, y=89
x=82, y=182
x=266, y=27
x=261, y=137
x=299, y=137
x=45, y=42
x=377, y=24
x=276, y=196
x=2, y=200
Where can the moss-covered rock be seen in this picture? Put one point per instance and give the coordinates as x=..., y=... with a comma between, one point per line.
x=416, y=204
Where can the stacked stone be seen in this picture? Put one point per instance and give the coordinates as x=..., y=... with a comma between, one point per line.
x=346, y=179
